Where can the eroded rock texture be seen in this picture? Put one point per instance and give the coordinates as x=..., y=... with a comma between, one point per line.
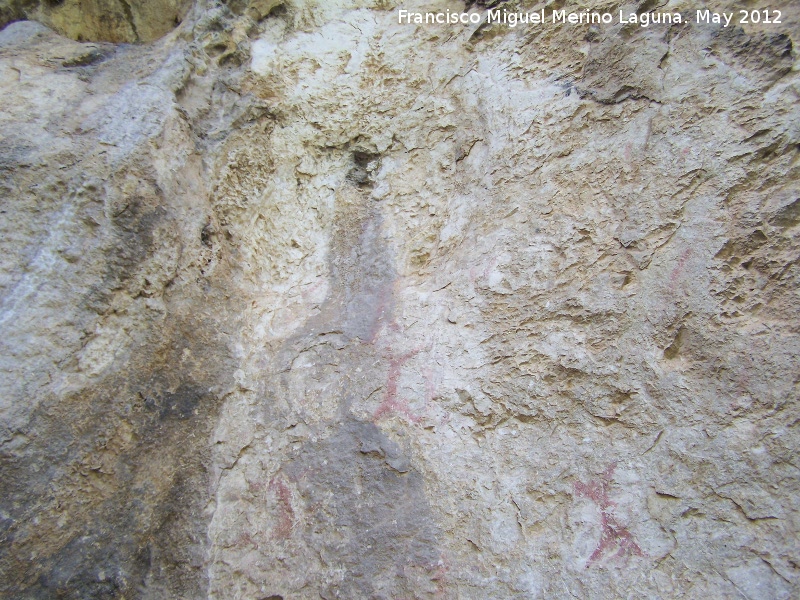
x=100, y=20
x=300, y=302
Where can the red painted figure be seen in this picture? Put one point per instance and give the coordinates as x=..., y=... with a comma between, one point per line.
x=613, y=535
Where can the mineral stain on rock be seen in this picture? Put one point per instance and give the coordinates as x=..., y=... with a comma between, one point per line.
x=362, y=268
x=365, y=514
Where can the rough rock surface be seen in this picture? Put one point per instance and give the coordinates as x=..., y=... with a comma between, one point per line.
x=300, y=302
x=100, y=20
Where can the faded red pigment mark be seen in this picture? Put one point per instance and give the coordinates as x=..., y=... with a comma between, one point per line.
x=383, y=310
x=245, y=539
x=254, y=487
x=429, y=376
x=285, y=511
x=434, y=571
x=440, y=577
x=475, y=272
x=308, y=290
x=391, y=402
x=613, y=535
x=432, y=380
x=676, y=272
x=628, y=151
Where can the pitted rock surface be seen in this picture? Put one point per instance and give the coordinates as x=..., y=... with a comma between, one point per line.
x=298, y=301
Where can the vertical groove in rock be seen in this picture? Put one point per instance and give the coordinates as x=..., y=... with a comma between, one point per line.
x=126, y=8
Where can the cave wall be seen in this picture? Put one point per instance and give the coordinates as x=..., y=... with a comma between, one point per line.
x=297, y=301
x=117, y=21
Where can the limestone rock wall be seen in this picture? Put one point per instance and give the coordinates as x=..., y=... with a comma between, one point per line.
x=300, y=302
x=100, y=20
